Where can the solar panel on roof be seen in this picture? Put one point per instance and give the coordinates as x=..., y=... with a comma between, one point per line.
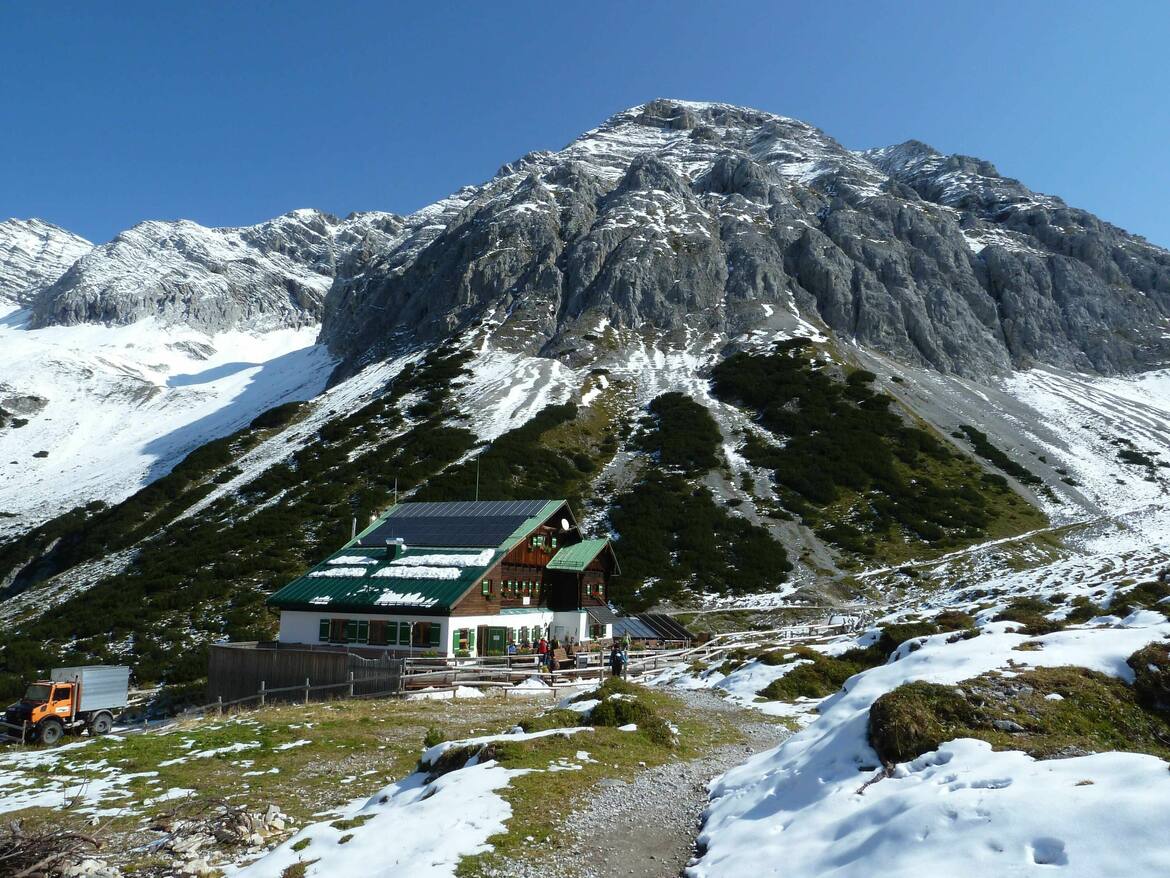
x=444, y=531
x=636, y=628
x=469, y=509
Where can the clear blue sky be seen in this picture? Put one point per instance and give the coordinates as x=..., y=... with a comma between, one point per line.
x=230, y=113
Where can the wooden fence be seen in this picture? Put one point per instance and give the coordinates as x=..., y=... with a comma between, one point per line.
x=255, y=674
x=243, y=671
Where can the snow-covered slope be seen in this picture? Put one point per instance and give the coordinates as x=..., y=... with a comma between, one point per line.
x=33, y=254
x=822, y=803
x=803, y=809
x=95, y=412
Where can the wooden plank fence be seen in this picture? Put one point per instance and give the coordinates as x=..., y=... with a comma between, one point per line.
x=268, y=671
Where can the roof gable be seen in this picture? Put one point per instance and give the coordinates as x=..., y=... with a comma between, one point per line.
x=578, y=556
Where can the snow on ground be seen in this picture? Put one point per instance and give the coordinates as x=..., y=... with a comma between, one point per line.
x=412, y=827
x=800, y=810
x=431, y=693
x=1095, y=558
x=122, y=405
x=63, y=778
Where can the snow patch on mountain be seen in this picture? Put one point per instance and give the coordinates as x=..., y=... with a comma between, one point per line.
x=113, y=408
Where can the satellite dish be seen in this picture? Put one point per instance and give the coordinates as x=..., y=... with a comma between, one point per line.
x=564, y=524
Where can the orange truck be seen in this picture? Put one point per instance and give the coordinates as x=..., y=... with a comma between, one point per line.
x=72, y=700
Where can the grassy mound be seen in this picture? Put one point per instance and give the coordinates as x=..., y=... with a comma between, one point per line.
x=622, y=703
x=1145, y=596
x=1151, y=668
x=1094, y=713
x=821, y=675
x=916, y=718
x=1031, y=612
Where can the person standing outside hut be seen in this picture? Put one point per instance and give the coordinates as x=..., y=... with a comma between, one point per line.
x=616, y=662
x=542, y=651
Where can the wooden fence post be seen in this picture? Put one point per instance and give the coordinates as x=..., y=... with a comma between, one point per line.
x=263, y=694
x=351, y=684
x=219, y=704
x=306, y=690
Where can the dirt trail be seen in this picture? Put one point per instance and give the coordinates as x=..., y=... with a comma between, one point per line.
x=646, y=828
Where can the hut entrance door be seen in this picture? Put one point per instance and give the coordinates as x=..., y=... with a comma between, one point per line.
x=497, y=641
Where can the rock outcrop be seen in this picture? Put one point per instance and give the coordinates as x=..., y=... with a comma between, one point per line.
x=33, y=254
x=271, y=275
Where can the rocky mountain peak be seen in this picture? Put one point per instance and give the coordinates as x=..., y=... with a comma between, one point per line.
x=730, y=220
x=34, y=253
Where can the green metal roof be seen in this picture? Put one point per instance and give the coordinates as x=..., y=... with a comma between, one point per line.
x=363, y=585
x=578, y=556
x=366, y=580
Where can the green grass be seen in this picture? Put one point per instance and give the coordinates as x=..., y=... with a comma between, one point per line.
x=377, y=742
x=822, y=675
x=1096, y=713
x=1031, y=612
x=1151, y=668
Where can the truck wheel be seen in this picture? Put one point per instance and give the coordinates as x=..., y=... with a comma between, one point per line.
x=50, y=732
x=101, y=724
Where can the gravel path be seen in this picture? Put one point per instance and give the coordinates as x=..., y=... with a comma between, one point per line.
x=647, y=828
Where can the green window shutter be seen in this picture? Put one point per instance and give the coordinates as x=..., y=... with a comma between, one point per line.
x=471, y=639
x=435, y=633
x=363, y=632
x=351, y=630
x=404, y=634
x=554, y=542
x=485, y=587
x=454, y=640
x=323, y=630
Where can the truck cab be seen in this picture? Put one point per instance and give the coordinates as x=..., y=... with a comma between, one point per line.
x=45, y=698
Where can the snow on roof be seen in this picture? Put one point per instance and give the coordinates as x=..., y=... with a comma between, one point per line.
x=352, y=559
x=341, y=572
x=390, y=597
x=407, y=572
x=479, y=559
